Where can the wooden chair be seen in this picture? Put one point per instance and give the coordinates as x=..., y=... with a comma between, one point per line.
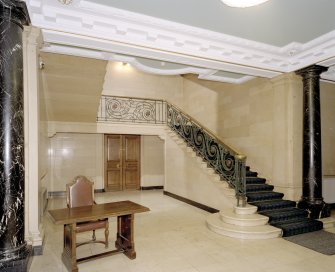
x=79, y=193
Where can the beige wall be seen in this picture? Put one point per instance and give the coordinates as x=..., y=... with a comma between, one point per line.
x=201, y=100
x=261, y=119
x=152, y=161
x=123, y=80
x=184, y=177
x=75, y=154
x=327, y=96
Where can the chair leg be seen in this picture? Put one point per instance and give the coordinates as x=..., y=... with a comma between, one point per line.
x=93, y=236
x=106, y=234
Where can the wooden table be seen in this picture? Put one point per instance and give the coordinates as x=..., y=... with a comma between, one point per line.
x=69, y=217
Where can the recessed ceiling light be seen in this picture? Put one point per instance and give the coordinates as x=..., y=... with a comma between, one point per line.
x=243, y=3
x=65, y=2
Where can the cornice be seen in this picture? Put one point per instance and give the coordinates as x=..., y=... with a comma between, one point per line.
x=98, y=30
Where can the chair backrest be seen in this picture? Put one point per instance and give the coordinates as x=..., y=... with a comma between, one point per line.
x=80, y=192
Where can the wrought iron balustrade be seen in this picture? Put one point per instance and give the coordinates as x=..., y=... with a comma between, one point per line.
x=135, y=110
x=226, y=162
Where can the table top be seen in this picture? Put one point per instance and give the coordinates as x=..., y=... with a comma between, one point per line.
x=95, y=212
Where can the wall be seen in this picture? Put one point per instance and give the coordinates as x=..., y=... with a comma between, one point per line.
x=184, y=177
x=123, y=80
x=327, y=96
x=75, y=154
x=201, y=100
x=152, y=161
x=260, y=118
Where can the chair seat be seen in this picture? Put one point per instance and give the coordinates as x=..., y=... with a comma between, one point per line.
x=91, y=225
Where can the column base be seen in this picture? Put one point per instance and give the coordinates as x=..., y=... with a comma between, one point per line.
x=316, y=210
x=20, y=262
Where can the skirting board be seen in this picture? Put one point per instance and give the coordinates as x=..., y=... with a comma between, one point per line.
x=152, y=187
x=63, y=193
x=191, y=202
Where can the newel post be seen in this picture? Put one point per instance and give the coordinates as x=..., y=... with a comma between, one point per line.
x=240, y=180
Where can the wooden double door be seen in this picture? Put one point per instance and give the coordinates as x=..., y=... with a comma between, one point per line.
x=122, y=162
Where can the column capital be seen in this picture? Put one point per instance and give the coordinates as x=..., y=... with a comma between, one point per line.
x=15, y=11
x=311, y=71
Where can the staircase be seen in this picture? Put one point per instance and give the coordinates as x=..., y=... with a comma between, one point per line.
x=279, y=213
x=267, y=214
x=282, y=214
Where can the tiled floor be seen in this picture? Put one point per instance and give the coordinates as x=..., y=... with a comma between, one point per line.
x=173, y=237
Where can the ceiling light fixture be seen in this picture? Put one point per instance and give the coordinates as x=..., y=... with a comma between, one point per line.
x=243, y=3
x=65, y=2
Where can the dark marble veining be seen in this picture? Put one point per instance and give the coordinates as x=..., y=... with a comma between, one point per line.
x=13, y=248
x=312, y=199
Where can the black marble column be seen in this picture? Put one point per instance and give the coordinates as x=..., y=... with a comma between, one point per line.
x=312, y=199
x=14, y=252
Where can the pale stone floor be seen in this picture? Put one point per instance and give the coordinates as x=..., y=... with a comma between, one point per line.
x=173, y=237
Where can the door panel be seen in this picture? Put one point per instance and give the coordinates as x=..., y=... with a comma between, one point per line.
x=131, y=162
x=113, y=162
x=122, y=162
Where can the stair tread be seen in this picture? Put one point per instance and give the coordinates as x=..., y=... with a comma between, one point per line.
x=263, y=196
x=273, y=204
x=251, y=173
x=283, y=211
x=295, y=227
x=259, y=187
x=278, y=215
x=255, y=180
x=297, y=222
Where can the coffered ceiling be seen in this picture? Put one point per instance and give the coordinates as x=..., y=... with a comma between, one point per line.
x=206, y=38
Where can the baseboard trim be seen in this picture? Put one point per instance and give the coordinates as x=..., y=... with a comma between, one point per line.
x=191, y=202
x=37, y=250
x=152, y=187
x=63, y=193
x=56, y=194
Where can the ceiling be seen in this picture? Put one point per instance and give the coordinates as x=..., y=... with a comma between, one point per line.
x=206, y=38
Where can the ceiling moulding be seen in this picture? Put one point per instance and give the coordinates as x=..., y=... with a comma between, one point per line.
x=202, y=73
x=85, y=24
x=70, y=44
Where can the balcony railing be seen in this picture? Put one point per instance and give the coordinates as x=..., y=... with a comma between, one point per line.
x=226, y=162
x=135, y=110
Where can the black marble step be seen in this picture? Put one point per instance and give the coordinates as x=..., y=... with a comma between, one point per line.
x=259, y=187
x=273, y=204
x=255, y=180
x=298, y=226
x=251, y=174
x=263, y=196
x=280, y=215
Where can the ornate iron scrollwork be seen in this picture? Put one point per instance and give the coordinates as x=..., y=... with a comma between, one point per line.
x=124, y=109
